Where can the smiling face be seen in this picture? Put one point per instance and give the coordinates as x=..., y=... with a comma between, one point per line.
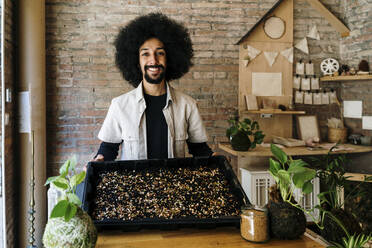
x=153, y=61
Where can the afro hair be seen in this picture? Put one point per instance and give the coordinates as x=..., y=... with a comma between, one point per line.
x=176, y=40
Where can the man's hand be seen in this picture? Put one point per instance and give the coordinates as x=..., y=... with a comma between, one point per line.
x=98, y=158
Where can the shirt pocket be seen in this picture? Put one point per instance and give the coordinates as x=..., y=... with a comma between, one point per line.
x=180, y=145
x=130, y=147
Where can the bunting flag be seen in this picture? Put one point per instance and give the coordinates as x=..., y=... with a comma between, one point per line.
x=252, y=52
x=288, y=54
x=302, y=45
x=314, y=34
x=245, y=62
x=270, y=57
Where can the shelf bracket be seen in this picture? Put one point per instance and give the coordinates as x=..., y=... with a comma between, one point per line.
x=266, y=116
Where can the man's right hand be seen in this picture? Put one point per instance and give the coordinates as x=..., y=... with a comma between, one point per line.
x=98, y=158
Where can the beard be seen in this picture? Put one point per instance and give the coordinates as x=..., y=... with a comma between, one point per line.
x=156, y=80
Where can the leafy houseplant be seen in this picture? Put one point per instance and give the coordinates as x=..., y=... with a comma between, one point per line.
x=338, y=222
x=287, y=219
x=69, y=225
x=239, y=134
x=352, y=241
x=290, y=173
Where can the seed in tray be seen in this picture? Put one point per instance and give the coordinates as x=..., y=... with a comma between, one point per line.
x=201, y=192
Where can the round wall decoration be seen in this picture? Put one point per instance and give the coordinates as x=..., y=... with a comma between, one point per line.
x=274, y=27
x=329, y=66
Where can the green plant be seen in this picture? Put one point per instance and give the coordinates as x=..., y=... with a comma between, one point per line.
x=352, y=241
x=66, y=183
x=68, y=226
x=331, y=171
x=290, y=173
x=246, y=127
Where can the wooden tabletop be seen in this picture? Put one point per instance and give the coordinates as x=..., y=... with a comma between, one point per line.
x=188, y=238
x=260, y=151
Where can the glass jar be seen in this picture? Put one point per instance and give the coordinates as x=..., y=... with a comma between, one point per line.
x=254, y=224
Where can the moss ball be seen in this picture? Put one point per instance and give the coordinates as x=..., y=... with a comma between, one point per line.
x=78, y=232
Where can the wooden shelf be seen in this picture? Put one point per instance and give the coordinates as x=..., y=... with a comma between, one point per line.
x=346, y=78
x=260, y=151
x=273, y=111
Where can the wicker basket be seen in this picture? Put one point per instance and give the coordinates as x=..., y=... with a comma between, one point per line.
x=337, y=135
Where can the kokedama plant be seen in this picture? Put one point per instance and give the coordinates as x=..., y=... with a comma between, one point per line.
x=69, y=225
x=287, y=219
x=240, y=133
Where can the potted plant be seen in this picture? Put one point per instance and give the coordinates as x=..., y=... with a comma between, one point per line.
x=69, y=225
x=338, y=222
x=343, y=229
x=244, y=135
x=287, y=218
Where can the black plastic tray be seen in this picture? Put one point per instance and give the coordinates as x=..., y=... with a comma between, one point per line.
x=94, y=168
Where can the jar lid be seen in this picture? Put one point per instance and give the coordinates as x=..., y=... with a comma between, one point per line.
x=254, y=210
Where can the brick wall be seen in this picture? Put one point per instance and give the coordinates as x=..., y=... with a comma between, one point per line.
x=350, y=50
x=358, y=46
x=10, y=131
x=82, y=78
x=327, y=47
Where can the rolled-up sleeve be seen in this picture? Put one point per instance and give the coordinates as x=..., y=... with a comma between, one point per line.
x=111, y=129
x=196, y=130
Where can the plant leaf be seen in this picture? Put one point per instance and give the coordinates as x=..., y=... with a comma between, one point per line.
x=279, y=154
x=70, y=211
x=299, y=178
x=50, y=180
x=63, y=171
x=73, y=162
x=59, y=209
x=274, y=166
x=77, y=179
x=307, y=187
x=73, y=198
x=294, y=168
x=60, y=185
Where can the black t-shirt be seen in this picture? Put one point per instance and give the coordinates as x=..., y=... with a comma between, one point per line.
x=156, y=127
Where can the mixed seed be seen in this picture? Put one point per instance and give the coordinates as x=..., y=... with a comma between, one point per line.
x=166, y=193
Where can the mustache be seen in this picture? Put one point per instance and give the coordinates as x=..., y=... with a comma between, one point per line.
x=154, y=66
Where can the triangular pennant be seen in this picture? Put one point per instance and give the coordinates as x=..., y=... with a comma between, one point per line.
x=302, y=45
x=252, y=52
x=270, y=57
x=245, y=62
x=314, y=34
x=288, y=54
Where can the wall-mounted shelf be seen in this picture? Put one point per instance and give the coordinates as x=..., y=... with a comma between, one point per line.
x=346, y=78
x=273, y=111
x=260, y=151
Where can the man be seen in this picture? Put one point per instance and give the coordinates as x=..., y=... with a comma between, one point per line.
x=154, y=120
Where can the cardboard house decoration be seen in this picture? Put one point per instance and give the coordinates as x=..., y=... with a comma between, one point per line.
x=268, y=74
x=266, y=66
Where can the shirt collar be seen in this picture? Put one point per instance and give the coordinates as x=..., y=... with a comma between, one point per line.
x=140, y=97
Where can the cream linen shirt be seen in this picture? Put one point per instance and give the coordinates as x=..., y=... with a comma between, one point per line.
x=126, y=121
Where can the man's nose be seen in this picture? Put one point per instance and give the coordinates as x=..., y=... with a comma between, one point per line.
x=154, y=59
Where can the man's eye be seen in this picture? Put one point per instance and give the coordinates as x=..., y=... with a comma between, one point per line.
x=161, y=53
x=145, y=54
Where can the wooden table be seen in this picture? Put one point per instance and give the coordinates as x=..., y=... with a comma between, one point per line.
x=188, y=238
